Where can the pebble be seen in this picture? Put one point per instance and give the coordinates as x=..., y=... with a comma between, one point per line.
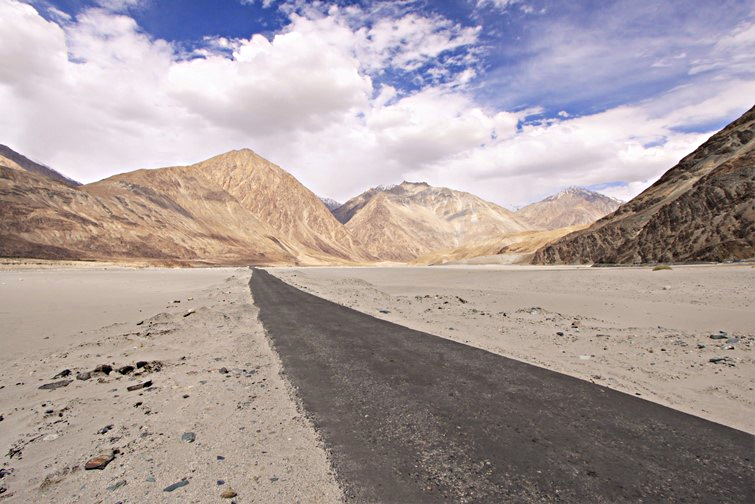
x=189, y=312
x=176, y=486
x=117, y=485
x=103, y=368
x=559, y=333
x=100, y=461
x=228, y=493
x=732, y=341
x=189, y=437
x=718, y=336
x=220, y=482
x=717, y=360
x=125, y=369
x=140, y=364
x=105, y=429
x=55, y=385
x=150, y=479
x=62, y=374
x=223, y=370
x=84, y=375
x=138, y=386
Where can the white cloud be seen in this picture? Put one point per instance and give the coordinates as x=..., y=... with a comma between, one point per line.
x=95, y=95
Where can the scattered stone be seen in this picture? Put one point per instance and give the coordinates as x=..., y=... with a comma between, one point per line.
x=220, y=482
x=576, y=324
x=384, y=311
x=85, y=375
x=223, y=370
x=150, y=479
x=105, y=429
x=140, y=322
x=140, y=364
x=462, y=301
x=666, y=287
x=273, y=480
x=125, y=369
x=220, y=457
x=138, y=386
x=117, y=485
x=5, y=472
x=732, y=341
x=719, y=360
x=700, y=346
x=55, y=385
x=189, y=312
x=100, y=461
x=62, y=374
x=103, y=368
x=718, y=336
x=228, y=493
x=1, y=418
x=185, y=396
x=189, y=437
x=176, y=486
x=559, y=333
x=176, y=300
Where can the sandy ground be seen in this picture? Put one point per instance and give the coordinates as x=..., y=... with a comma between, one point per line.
x=636, y=330
x=213, y=377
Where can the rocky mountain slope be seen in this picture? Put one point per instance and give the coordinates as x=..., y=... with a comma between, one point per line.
x=330, y=203
x=403, y=222
x=702, y=209
x=574, y=206
x=11, y=158
x=236, y=208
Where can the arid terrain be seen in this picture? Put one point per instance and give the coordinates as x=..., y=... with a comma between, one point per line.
x=211, y=407
x=683, y=337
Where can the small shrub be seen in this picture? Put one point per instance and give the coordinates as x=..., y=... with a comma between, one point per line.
x=661, y=267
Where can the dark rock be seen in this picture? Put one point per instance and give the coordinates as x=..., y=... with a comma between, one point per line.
x=559, y=333
x=220, y=482
x=140, y=364
x=49, y=412
x=220, y=457
x=100, y=461
x=273, y=480
x=5, y=472
x=140, y=322
x=176, y=486
x=718, y=336
x=189, y=437
x=117, y=485
x=85, y=375
x=384, y=311
x=62, y=374
x=718, y=360
x=228, y=493
x=700, y=346
x=103, y=368
x=176, y=300
x=105, y=429
x=125, y=369
x=55, y=385
x=223, y=370
x=1, y=418
x=189, y=312
x=138, y=386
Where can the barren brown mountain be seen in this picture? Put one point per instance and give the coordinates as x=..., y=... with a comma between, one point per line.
x=236, y=208
x=574, y=206
x=403, y=222
x=702, y=209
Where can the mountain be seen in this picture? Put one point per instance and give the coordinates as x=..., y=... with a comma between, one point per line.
x=12, y=159
x=403, y=222
x=702, y=209
x=574, y=206
x=330, y=203
x=236, y=208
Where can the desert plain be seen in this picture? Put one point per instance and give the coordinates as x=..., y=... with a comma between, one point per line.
x=210, y=413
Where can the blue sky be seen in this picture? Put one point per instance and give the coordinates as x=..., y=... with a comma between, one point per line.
x=509, y=99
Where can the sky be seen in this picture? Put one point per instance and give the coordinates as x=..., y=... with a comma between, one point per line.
x=512, y=100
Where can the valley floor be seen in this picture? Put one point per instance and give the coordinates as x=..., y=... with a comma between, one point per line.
x=643, y=332
x=217, y=415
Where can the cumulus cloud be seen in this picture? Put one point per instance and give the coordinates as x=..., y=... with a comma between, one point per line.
x=95, y=95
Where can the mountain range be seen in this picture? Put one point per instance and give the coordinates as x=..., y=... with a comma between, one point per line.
x=239, y=208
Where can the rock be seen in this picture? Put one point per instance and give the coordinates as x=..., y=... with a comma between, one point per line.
x=103, y=368
x=117, y=485
x=220, y=482
x=559, y=333
x=700, y=346
x=140, y=322
x=718, y=336
x=176, y=300
x=105, y=429
x=55, y=385
x=189, y=437
x=100, y=461
x=5, y=472
x=176, y=486
x=228, y=493
x=125, y=369
x=220, y=457
x=384, y=311
x=140, y=364
x=223, y=370
x=666, y=287
x=138, y=386
x=85, y=375
x=717, y=360
x=732, y=341
x=150, y=479
x=189, y=312
x=62, y=374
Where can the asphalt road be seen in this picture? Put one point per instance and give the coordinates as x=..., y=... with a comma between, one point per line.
x=409, y=417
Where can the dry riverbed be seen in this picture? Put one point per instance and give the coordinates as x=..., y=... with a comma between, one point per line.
x=127, y=385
